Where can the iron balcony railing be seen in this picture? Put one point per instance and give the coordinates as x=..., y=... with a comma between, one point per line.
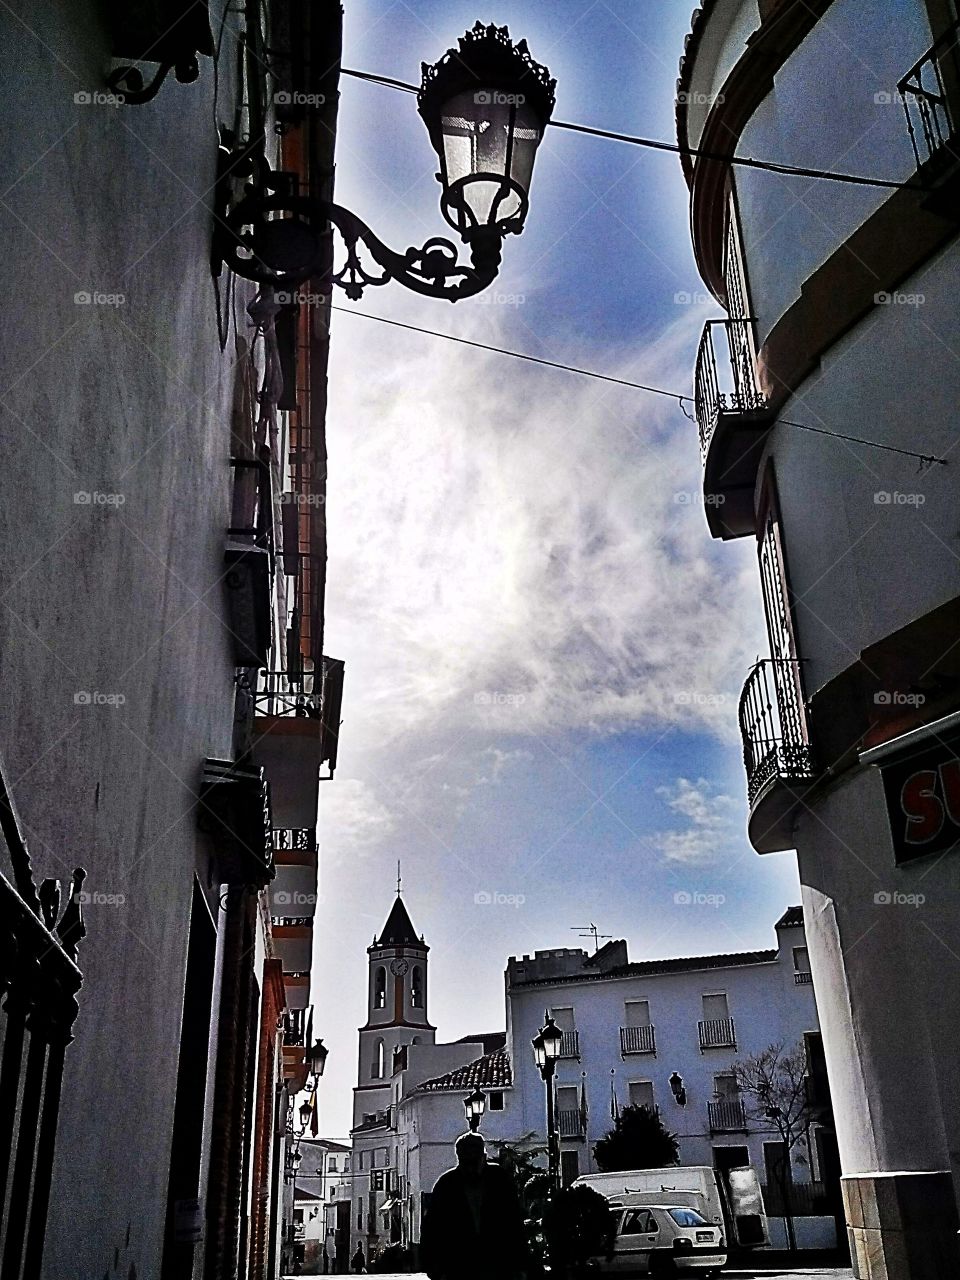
x=571, y=1123
x=801, y=977
x=638, y=1040
x=717, y=1033
x=772, y=722
x=570, y=1044
x=926, y=92
x=727, y=1115
x=726, y=375
x=315, y=695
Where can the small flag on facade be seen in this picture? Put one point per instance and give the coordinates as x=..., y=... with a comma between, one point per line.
x=614, y=1102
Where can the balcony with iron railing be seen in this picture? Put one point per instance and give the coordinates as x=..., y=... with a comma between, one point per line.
x=727, y=1115
x=929, y=94
x=571, y=1123
x=295, y=732
x=570, y=1044
x=637, y=1040
x=733, y=416
x=717, y=1033
x=802, y=977
x=778, y=758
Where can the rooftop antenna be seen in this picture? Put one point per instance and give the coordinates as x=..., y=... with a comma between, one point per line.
x=591, y=931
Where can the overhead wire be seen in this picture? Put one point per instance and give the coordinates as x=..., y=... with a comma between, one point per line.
x=681, y=398
x=657, y=144
x=675, y=149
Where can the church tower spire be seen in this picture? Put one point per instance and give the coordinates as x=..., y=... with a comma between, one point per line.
x=397, y=989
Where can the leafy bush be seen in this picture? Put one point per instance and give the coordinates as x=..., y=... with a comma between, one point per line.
x=578, y=1223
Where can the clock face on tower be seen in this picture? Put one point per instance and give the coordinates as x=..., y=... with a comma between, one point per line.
x=398, y=968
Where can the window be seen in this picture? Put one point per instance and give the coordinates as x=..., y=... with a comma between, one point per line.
x=641, y=1094
x=376, y=1066
x=333, y=1164
x=495, y=1100
x=380, y=988
x=416, y=987
x=725, y=1085
x=360, y=1165
x=637, y=1013
x=564, y=1019
x=359, y=1215
x=568, y=1097
x=638, y=1222
x=688, y=1218
x=801, y=960
x=715, y=1007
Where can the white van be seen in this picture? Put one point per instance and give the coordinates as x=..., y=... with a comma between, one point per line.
x=742, y=1221
x=661, y=1240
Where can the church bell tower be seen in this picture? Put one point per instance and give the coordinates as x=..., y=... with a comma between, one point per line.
x=396, y=1007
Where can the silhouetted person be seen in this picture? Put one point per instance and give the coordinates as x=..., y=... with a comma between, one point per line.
x=473, y=1229
x=359, y=1261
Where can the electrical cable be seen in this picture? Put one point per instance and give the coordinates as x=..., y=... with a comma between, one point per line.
x=925, y=458
x=656, y=144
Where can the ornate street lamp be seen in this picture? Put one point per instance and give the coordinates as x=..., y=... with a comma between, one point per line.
x=306, y=1111
x=546, y=1050
x=475, y=1104
x=485, y=106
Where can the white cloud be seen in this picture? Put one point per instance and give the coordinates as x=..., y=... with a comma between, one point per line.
x=507, y=547
x=711, y=823
x=353, y=821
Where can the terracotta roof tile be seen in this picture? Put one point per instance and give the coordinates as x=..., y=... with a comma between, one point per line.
x=492, y=1071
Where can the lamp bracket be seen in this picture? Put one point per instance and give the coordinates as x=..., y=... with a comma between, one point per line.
x=281, y=239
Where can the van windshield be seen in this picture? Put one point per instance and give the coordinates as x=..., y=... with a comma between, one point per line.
x=688, y=1218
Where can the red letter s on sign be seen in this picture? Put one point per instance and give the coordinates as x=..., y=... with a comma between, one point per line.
x=921, y=807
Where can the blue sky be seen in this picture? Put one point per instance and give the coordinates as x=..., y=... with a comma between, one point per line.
x=544, y=648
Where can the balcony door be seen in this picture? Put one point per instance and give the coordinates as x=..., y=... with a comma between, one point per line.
x=725, y=1086
x=715, y=1008
x=637, y=1013
x=641, y=1094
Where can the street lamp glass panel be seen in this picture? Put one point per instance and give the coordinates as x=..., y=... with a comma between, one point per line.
x=489, y=144
x=475, y=1105
x=552, y=1039
x=318, y=1057
x=306, y=1111
x=539, y=1050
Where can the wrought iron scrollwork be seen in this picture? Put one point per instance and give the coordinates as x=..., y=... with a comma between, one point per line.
x=280, y=239
x=127, y=82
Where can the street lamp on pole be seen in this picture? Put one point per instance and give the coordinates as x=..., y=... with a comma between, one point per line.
x=546, y=1051
x=475, y=1104
x=486, y=106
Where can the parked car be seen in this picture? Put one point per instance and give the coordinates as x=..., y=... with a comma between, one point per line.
x=662, y=1240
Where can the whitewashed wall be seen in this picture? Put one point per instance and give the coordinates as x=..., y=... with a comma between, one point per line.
x=823, y=113
x=764, y=1001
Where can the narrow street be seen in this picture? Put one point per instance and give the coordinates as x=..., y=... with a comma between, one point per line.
x=822, y=1273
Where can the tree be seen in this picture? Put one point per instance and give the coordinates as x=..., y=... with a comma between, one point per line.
x=578, y=1223
x=638, y=1140
x=773, y=1084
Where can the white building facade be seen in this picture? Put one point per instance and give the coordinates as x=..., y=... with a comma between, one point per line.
x=629, y=1028
x=841, y=319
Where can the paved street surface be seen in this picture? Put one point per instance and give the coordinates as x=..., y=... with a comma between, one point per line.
x=822, y=1273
